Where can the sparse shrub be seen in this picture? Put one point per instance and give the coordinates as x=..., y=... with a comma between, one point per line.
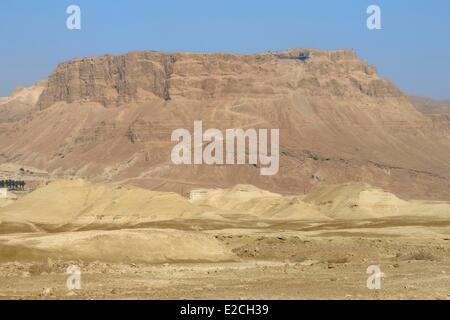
x=339, y=260
x=421, y=256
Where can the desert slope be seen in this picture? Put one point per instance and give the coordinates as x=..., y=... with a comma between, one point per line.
x=437, y=110
x=110, y=118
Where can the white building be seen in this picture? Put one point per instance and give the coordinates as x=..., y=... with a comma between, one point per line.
x=4, y=194
x=196, y=195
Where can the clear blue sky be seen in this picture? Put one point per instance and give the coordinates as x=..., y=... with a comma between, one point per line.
x=412, y=49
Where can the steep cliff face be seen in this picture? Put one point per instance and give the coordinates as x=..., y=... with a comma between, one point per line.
x=111, y=117
x=135, y=77
x=110, y=80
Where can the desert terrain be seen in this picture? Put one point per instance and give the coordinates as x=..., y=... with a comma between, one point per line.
x=364, y=180
x=237, y=243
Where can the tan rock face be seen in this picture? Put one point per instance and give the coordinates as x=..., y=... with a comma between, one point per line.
x=134, y=77
x=110, y=80
x=110, y=118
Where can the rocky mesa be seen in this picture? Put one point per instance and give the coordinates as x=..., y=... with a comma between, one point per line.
x=110, y=118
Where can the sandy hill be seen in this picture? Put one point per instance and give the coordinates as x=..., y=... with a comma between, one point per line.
x=72, y=203
x=345, y=201
x=359, y=200
x=110, y=118
x=76, y=204
x=79, y=205
x=250, y=201
x=80, y=220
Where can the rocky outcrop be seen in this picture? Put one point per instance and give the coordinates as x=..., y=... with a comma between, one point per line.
x=135, y=77
x=110, y=80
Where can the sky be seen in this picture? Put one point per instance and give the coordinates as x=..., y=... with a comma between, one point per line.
x=412, y=49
